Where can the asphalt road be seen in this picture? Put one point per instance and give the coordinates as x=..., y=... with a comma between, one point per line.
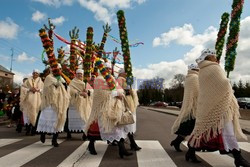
x=151, y=126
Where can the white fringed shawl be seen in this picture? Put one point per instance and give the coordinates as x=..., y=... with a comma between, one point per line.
x=57, y=98
x=30, y=102
x=105, y=108
x=216, y=106
x=132, y=100
x=188, y=109
x=82, y=105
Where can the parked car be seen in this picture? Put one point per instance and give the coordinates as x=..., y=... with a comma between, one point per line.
x=159, y=104
x=244, y=102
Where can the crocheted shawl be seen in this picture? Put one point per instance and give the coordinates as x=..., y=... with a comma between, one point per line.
x=105, y=108
x=82, y=105
x=216, y=106
x=30, y=102
x=188, y=109
x=56, y=96
x=132, y=100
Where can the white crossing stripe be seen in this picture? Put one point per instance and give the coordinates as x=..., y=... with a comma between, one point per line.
x=215, y=159
x=4, y=142
x=244, y=146
x=81, y=156
x=26, y=154
x=153, y=154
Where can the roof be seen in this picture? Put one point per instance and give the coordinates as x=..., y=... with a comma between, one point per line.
x=2, y=68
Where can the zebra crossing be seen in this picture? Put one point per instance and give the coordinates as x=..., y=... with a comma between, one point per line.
x=152, y=154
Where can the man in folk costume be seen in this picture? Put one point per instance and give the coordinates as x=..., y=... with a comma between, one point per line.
x=217, y=118
x=80, y=104
x=30, y=100
x=131, y=101
x=184, y=124
x=55, y=101
x=107, y=110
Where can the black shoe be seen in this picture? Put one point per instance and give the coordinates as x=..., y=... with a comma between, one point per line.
x=42, y=137
x=122, y=149
x=239, y=160
x=91, y=147
x=55, y=144
x=191, y=155
x=176, y=143
x=133, y=144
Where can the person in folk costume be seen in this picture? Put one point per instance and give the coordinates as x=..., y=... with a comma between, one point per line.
x=132, y=102
x=80, y=104
x=55, y=102
x=217, y=117
x=30, y=101
x=184, y=124
x=107, y=109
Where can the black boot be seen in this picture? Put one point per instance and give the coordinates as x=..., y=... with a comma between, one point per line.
x=42, y=137
x=122, y=149
x=28, y=129
x=19, y=128
x=91, y=147
x=33, y=130
x=84, y=137
x=239, y=160
x=133, y=144
x=69, y=135
x=54, y=140
x=191, y=155
x=176, y=143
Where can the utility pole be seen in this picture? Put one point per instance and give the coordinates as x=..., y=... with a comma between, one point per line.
x=11, y=59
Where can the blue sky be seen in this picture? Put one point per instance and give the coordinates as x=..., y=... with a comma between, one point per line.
x=189, y=26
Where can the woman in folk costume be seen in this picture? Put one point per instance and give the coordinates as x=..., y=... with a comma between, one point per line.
x=80, y=104
x=30, y=101
x=55, y=101
x=184, y=124
x=217, y=118
x=107, y=110
x=131, y=100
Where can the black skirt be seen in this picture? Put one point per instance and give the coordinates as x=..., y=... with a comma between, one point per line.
x=186, y=127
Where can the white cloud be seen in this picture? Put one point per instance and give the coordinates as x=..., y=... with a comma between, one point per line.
x=164, y=69
x=140, y=1
x=185, y=36
x=101, y=13
x=58, y=20
x=55, y=3
x=18, y=77
x=24, y=57
x=8, y=29
x=116, y=3
x=38, y=16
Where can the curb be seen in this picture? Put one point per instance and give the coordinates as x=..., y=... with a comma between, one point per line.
x=244, y=131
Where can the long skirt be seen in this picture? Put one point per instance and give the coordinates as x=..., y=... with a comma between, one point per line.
x=132, y=127
x=224, y=142
x=47, y=121
x=26, y=120
x=115, y=134
x=75, y=123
